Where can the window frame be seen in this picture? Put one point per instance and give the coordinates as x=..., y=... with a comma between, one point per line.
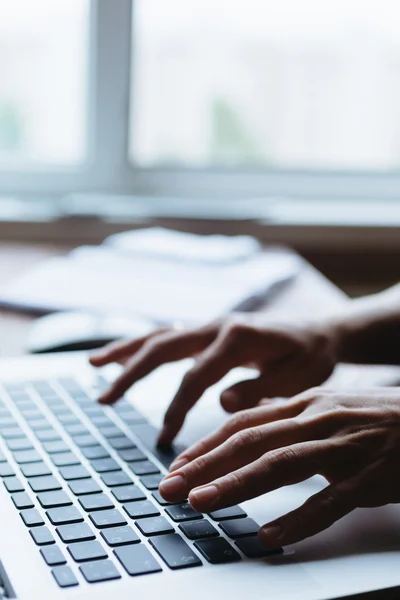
x=108, y=168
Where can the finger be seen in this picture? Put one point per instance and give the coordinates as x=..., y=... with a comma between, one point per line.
x=120, y=350
x=244, y=394
x=211, y=366
x=318, y=513
x=240, y=450
x=278, y=468
x=241, y=420
x=163, y=349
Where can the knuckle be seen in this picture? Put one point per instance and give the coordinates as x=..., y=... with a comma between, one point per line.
x=281, y=456
x=239, y=421
x=199, y=465
x=234, y=481
x=297, y=523
x=190, y=377
x=237, y=330
x=327, y=500
x=246, y=437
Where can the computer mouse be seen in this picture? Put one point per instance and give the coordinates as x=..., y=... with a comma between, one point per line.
x=69, y=331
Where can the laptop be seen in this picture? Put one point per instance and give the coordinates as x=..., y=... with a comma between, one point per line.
x=81, y=516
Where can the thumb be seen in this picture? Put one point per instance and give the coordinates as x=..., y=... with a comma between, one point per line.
x=245, y=394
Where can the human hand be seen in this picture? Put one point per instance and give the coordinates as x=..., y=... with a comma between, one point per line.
x=352, y=439
x=289, y=358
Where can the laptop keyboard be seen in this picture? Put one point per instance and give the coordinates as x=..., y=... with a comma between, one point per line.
x=85, y=478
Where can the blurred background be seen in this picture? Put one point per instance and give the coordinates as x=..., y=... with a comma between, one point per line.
x=309, y=84
x=280, y=119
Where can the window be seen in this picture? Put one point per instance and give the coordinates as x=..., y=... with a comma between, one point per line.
x=200, y=97
x=266, y=83
x=43, y=82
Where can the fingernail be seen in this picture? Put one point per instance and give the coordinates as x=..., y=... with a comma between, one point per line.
x=177, y=463
x=172, y=485
x=207, y=495
x=230, y=400
x=272, y=534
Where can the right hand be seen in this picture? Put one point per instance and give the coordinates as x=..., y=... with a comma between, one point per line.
x=289, y=358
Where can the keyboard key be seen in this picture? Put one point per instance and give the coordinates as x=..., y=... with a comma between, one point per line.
x=137, y=560
x=44, y=484
x=11, y=433
x=133, y=418
x=48, y=435
x=107, y=518
x=151, y=482
x=217, y=551
x=21, y=444
x=80, y=487
x=128, y=493
x=22, y=500
x=24, y=457
x=65, y=459
x=31, y=517
x=144, y=467
x=111, y=431
x=35, y=469
x=121, y=443
x=64, y=577
x=119, y=536
x=123, y=408
x=84, y=551
x=2, y=457
x=76, y=429
x=252, y=547
x=85, y=441
x=75, y=472
x=42, y=536
x=95, y=572
x=239, y=528
x=66, y=417
x=234, y=512
x=132, y=455
x=95, y=502
x=53, y=556
x=154, y=526
x=141, y=509
x=148, y=435
x=75, y=533
x=94, y=452
x=64, y=516
x=105, y=465
x=100, y=420
x=13, y=484
x=54, y=499
x=56, y=447
x=115, y=479
x=157, y=496
x=197, y=530
x=93, y=411
x=175, y=552
x=8, y=422
x=6, y=470
x=39, y=425
x=182, y=512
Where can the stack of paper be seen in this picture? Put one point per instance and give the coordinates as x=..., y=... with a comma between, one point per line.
x=166, y=280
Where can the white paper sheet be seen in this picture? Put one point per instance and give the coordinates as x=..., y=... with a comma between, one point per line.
x=103, y=279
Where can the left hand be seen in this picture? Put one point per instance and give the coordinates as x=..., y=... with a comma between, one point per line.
x=352, y=439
